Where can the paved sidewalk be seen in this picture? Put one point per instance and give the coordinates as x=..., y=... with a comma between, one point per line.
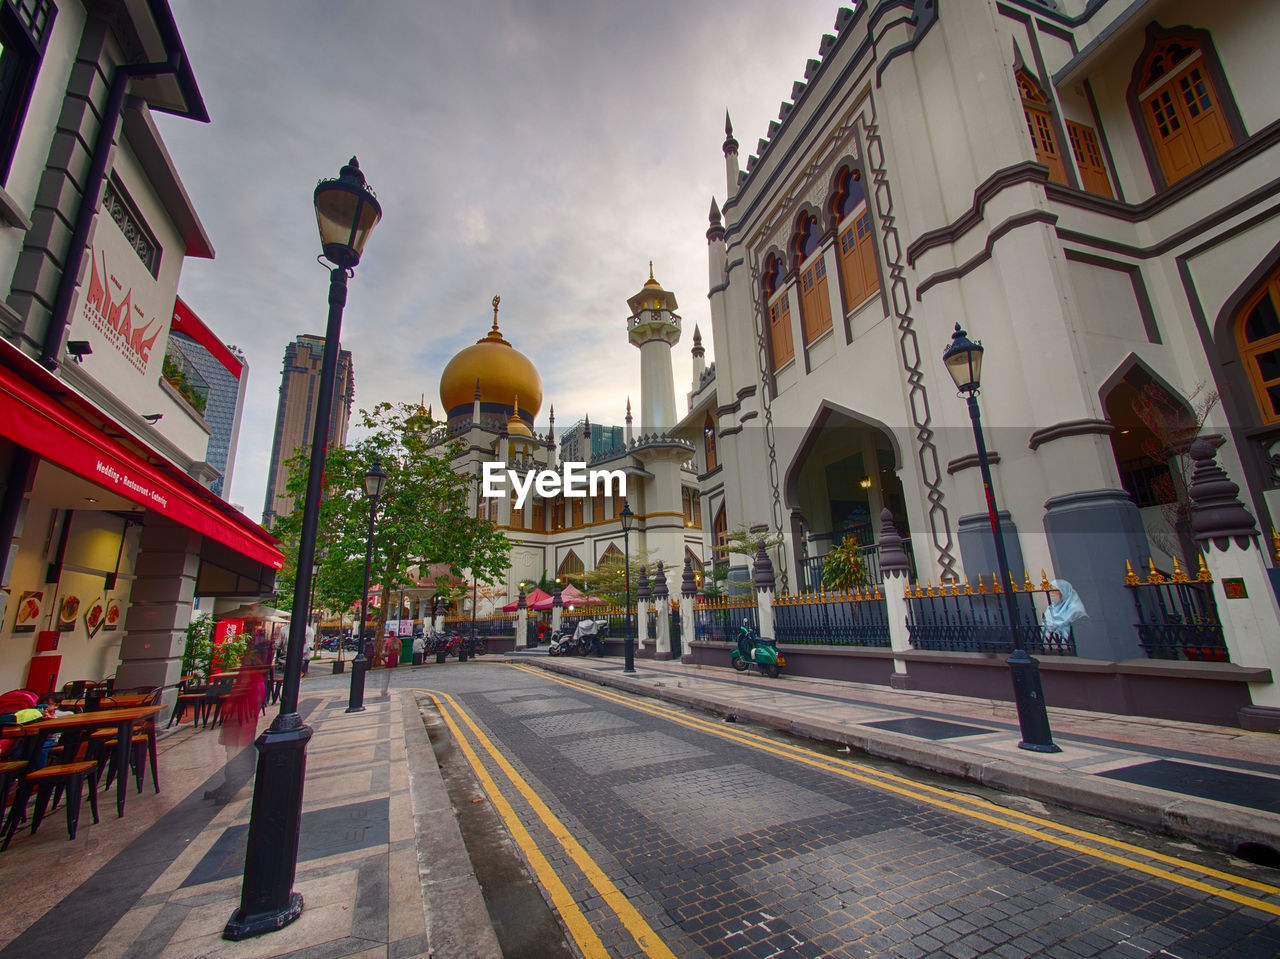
x=1215, y=785
x=381, y=865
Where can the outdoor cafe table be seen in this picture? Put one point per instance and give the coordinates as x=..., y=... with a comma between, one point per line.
x=124, y=701
x=122, y=719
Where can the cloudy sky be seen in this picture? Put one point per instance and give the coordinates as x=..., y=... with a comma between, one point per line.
x=544, y=150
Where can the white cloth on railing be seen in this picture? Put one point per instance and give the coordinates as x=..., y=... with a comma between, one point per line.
x=1059, y=616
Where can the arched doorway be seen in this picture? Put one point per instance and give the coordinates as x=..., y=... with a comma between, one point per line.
x=1153, y=426
x=844, y=473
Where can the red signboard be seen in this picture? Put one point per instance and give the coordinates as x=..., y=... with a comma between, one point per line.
x=34, y=419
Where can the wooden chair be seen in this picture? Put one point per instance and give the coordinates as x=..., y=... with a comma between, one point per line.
x=190, y=696
x=215, y=698
x=54, y=780
x=142, y=745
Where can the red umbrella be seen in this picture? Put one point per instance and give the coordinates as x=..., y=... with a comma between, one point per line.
x=530, y=599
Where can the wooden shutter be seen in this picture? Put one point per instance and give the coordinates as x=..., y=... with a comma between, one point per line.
x=1084, y=145
x=815, y=301
x=780, y=332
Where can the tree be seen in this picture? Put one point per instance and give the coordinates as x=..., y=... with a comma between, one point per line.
x=745, y=541
x=608, y=580
x=713, y=583
x=424, y=515
x=844, y=567
x=1173, y=428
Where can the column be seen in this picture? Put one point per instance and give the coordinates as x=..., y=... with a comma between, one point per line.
x=762, y=580
x=662, y=601
x=522, y=621
x=642, y=611
x=688, y=597
x=896, y=570
x=160, y=605
x=557, y=611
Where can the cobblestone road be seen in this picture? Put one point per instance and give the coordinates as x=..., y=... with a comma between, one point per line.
x=729, y=843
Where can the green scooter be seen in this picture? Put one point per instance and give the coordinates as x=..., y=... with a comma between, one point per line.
x=756, y=651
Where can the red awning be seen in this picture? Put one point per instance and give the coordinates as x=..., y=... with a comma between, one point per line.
x=35, y=413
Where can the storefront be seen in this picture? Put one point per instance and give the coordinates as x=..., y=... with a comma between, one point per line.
x=112, y=543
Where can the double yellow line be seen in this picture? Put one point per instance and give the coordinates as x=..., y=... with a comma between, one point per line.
x=578, y=925
x=971, y=807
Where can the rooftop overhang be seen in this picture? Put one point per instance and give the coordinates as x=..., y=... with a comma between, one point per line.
x=155, y=39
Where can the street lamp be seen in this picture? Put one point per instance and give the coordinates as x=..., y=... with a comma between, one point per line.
x=627, y=518
x=963, y=359
x=346, y=212
x=375, y=481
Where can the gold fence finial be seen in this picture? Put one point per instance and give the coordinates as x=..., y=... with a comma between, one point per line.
x=1204, y=575
x=1178, y=575
x=982, y=587
x=1045, y=585
x=1275, y=545
x=968, y=590
x=1130, y=577
x=1154, y=576
x=1027, y=585
x=996, y=585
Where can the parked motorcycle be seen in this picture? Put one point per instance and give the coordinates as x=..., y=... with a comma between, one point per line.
x=757, y=651
x=589, y=636
x=563, y=643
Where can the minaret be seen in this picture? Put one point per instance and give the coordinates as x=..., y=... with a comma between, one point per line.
x=586, y=438
x=475, y=406
x=730, y=158
x=551, y=437
x=654, y=327
x=699, y=358
x=628, y=431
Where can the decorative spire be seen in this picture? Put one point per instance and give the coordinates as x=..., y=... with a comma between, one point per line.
x=660, y=590
x=1217, y=515
x=716, y=230
x=642, y=591
x=730, y=144
x=688, y=585
x=893, y=558
x=628, y=409
x=697, y=341
x=496, y=300
x=651, y=269
x=762, y=569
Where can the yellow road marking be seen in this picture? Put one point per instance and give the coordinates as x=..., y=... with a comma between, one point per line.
x=986, y=811
x=581, y=930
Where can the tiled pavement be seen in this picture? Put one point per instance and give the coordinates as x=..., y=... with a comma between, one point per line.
x=163, y=881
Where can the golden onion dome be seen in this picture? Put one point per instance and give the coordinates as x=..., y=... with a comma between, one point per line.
x=515, y=425
x=501, y=371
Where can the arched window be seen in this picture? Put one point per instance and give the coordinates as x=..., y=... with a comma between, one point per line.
x=858, y=276
x=781, y=349
x=1182, y=108
x=691, y=504
x=571, y=568
x=709, y=443
x=811, y=263
x=611, y=556
x=1035, y=107
x=1258, y=337
x=721, y=530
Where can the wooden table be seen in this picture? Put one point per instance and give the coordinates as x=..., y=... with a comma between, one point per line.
x=123, y=719
x=125, y=701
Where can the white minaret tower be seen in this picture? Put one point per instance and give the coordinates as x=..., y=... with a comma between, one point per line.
x=654, y=327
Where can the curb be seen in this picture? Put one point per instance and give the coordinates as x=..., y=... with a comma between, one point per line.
x=457, y=918
x=1216, y=825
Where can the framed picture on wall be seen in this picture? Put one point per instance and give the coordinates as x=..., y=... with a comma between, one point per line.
x=30, y=606
x=111, y=621
x=68, y=610
x=94, y=616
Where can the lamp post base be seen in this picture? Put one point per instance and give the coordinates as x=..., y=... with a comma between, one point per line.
x=339, y=667
x=629, y=656
x=355, y=704
x=267, y=899
x=1028, y=697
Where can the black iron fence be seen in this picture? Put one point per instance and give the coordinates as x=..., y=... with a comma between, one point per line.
x=811, y=567
x=857, y=618
x=720, y=619
x=962, y=619
x=1177, y=615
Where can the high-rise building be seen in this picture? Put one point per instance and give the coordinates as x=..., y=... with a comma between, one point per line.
x=299, y=386
x=224, y=375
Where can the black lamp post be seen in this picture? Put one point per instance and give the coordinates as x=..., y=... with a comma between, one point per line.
x=375, y=481
x=963, y=359
x=627, y=518
x=346, y=212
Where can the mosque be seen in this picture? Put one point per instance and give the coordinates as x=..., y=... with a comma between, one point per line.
x=492, y=393
x=1086, y=188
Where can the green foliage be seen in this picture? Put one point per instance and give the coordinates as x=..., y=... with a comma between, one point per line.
x=714, y=581
x=423, y=516
x=844, y=567
x=609, y=580
x=745, y=542
x=197, y=657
